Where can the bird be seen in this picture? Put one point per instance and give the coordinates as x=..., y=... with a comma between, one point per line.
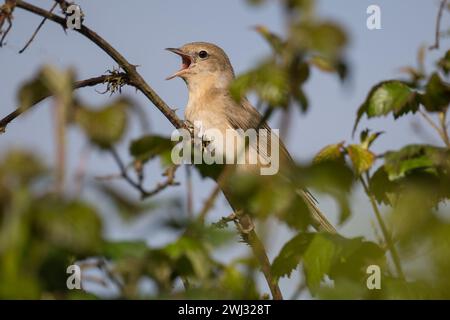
x=208, y=74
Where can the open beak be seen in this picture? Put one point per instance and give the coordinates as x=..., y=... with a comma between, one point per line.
x=186, y=61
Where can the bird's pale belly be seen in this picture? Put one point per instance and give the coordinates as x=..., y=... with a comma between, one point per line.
x=223, y=142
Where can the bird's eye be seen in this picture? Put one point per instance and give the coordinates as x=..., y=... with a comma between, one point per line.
x=203, y=54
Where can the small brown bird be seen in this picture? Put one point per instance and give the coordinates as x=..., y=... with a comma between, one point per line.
x=208, y=74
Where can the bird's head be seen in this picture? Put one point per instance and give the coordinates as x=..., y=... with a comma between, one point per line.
x=203, y=64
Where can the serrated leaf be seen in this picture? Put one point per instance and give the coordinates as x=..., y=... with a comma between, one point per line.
x=362, y=159
x=291, y=255
x=437, y=94
x=388, y=97
x=339, y=257
x=318, y=259
x=415, y=157
x=331, y=152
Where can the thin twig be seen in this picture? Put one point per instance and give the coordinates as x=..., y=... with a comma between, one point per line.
x=6, y=11
x=386, y=234
x=169, y=173
x=438, y=26
x=441, y=130
x=444, y=130
x=103, y=265
x=209, y=203
x=37, y=29
x=77, y=85
x=6, y=31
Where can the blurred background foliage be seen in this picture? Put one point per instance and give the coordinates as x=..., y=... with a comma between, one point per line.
x=44, y=228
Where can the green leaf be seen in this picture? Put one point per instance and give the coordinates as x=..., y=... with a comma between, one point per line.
x=318, y=259
x=328, y=177
x=332, y=152
x=444, y=63
x=332, y=178
x=381, y=187
x=415, y=157
x=362, y=159
x=367, y=139
x=21, y=166
x=388, y=97
x=298, y=72
x=325, y=38
x=291, y=255
x=263, y=196
x=123, y=249
x=147, y=147
x=193, y=251
x=238, y=284
x=339, y=258
x=277, y=44
x=105, y=126
x=437, y=94
x=327, y=65
x=268, y=81
x=31, y=93
x=47, y=82
x=73, y=225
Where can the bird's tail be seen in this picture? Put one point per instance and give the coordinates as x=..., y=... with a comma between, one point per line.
x=320, y=222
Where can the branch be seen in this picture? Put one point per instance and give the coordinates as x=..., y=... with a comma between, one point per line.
x=442, y=130
x=438, y=25
x=169, y=173
x=443, y=123
x=77, y=85
x=209, y=203
x=247, y=230
x=37, y=29
x=384, y=230
x=129, y=68
x=6, y=11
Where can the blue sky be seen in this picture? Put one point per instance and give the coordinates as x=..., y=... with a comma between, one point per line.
x=140, y=30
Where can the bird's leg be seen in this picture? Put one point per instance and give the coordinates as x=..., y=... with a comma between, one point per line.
x=189, y=126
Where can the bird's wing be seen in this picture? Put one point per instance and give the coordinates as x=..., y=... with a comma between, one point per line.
x=245, y=116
